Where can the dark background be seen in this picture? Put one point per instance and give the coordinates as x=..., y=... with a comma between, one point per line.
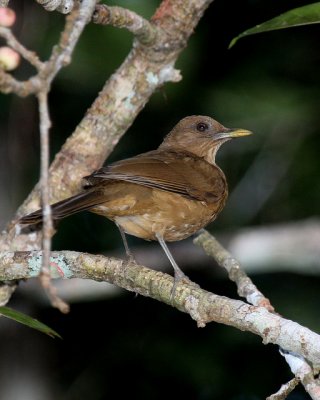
x=123, y=345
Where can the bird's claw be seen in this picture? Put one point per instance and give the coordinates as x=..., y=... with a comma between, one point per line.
x=179, y=276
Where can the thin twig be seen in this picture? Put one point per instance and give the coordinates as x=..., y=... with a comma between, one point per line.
x=285, y=390
x=60, y=56
x=8, y=84
x=119, y=17
x=47, y=228
x=246, y=287
x=28, y=55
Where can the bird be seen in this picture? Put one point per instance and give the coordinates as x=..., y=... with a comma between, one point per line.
x=164, y=195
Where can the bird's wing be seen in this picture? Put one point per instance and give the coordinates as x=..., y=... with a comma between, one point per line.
x=71, y=205
x=176, y=172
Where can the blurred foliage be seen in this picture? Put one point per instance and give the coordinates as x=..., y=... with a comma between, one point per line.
x=268, y=83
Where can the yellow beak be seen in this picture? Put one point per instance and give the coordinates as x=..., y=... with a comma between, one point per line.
x=232, y=133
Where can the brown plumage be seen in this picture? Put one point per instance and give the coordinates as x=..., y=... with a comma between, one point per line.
x=166, y=194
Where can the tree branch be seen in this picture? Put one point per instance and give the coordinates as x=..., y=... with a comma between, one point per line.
x=119, y=17
x=47, y=229
x=60, y=56
x=28, y=55
x=8, y=84
x=246, y=287
x=203, y=306
x=285, y=390
x=298, y=365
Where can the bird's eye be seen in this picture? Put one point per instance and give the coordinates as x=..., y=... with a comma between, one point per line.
x=202, y=126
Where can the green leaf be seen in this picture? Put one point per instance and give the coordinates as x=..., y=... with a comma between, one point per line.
x=26, y=320
x=305, y=15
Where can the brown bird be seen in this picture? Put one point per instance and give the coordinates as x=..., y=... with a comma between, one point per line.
x=166, y=195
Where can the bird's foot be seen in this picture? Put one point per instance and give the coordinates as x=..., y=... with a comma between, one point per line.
x=179, y=276
x=129, y=261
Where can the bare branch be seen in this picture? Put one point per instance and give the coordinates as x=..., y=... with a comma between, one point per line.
x=8, y=84
x=245, y=286
x=60, y=57
x=247, y=289
x=47, y=229
x=28, y=55
x=285, y=390
x=203, y=306
x=119, y=17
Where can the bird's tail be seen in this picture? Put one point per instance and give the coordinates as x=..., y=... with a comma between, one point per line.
x=71, y=205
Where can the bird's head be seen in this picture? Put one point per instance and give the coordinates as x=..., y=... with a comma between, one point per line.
x=200, y=135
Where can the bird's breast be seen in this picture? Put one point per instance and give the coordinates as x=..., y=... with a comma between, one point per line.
x=171, y=215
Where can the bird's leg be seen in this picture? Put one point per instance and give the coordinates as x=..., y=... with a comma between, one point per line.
x=126, y=246
x=178, y=274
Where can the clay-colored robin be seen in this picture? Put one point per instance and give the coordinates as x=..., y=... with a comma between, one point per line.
x=166, y=195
